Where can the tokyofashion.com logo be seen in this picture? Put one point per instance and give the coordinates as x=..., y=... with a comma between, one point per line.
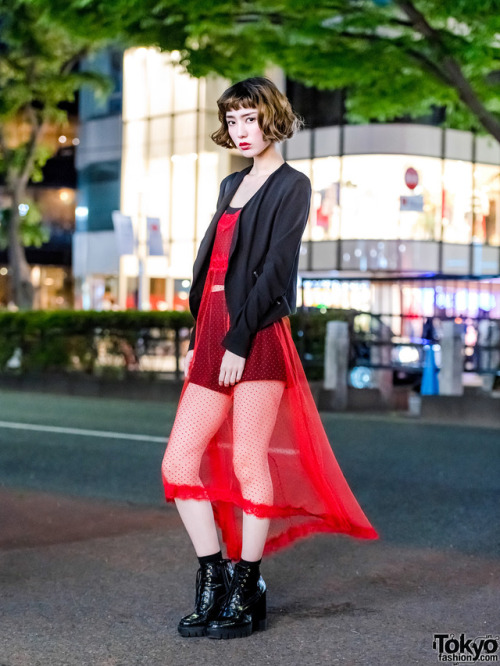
x=460, y=649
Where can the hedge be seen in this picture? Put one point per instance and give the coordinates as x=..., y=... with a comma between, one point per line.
x=73, y=340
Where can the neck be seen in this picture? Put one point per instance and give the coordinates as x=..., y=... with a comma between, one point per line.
x=267, y=161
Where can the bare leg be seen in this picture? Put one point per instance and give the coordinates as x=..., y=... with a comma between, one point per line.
x=255, y=409
x=198, y=519
x=198, y=418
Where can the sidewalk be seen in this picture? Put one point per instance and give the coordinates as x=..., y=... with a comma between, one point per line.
x=88, y=583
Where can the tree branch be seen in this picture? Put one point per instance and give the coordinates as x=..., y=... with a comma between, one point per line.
x=419, y=22
x=452, y=69
x=430, y=65
x=67, y=67
x=3, y=146
x=36, y=131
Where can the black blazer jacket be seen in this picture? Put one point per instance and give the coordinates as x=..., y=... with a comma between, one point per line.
x=261, y=279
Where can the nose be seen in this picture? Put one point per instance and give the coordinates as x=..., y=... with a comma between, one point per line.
x=242, y=130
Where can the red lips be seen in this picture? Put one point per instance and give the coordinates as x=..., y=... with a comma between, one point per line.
x=244, y=146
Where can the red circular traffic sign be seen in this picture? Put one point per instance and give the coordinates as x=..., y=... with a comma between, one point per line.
x=411, y=178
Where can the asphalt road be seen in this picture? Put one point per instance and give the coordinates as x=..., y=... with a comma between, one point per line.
x=94, y=569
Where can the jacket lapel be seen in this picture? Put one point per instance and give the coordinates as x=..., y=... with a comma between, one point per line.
x=200, y=266
x=207, y=242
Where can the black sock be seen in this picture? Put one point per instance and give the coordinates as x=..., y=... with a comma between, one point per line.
x=210, y=559
x=253, y=566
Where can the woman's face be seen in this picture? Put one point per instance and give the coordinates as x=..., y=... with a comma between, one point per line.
x=244, y=130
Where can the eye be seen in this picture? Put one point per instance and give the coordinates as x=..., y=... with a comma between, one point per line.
x=252, y=118
x=230, y=122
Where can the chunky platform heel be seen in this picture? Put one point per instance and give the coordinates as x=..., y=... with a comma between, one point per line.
x=244, y=610
x=259, y=616
x=213, y=582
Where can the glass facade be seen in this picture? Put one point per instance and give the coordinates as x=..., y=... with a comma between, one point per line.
x=100, y=191
x=486, y=204
x=405, y=304
x=170, y=169
x=367, y=197
x=95, y=105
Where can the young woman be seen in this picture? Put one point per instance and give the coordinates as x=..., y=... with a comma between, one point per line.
x=247, y=451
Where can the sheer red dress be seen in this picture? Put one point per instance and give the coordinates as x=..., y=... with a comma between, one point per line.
x=258, y=446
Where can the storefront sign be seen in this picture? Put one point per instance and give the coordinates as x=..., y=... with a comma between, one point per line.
x=414, y=203
x=155, y=241
x=124, y=232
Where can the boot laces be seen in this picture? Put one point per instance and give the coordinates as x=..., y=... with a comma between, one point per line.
x=240, y=581
x=204, y=583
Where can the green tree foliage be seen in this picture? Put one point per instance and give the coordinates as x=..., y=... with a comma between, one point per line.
x=38, y=71
x=395, y=57
x=31, y=231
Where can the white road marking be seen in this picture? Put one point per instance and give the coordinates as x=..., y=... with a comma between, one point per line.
x=81, y=431
x=107, y=434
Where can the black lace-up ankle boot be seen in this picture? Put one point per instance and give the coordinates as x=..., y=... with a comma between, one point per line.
x=213, y=581
x=244, y=610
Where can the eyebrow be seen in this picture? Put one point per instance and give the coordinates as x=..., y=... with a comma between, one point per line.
x=243, y=115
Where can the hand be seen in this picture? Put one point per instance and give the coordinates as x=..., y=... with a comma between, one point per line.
x=231, y=368
x=187, y=363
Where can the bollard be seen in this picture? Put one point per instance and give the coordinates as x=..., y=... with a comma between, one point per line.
x=336, y=361
x=450, y=376
x=381, y=355
x=489, y=359
x=414, y=404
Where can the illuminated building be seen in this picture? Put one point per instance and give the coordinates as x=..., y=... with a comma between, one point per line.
x=405, y=217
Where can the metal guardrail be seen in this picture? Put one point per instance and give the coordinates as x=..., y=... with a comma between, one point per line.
x=480, y=357
x=158, y=351
x=376, y=341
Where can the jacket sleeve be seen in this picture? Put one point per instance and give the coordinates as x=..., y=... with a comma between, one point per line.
x=225, y=183
x=192, y=338
x=278, y=268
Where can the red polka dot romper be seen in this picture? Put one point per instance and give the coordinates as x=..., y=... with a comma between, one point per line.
x=265, y=358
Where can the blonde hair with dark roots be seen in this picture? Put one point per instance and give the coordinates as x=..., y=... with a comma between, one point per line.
x=276, y=118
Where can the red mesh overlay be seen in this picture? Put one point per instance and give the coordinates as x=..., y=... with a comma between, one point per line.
x=265, y=357
x=258, y=446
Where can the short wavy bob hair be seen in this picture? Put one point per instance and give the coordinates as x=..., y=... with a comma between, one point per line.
x=276, y=118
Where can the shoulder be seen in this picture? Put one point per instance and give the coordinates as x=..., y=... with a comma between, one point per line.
x=233, y=176
x=292, y=185
x=293, y=178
